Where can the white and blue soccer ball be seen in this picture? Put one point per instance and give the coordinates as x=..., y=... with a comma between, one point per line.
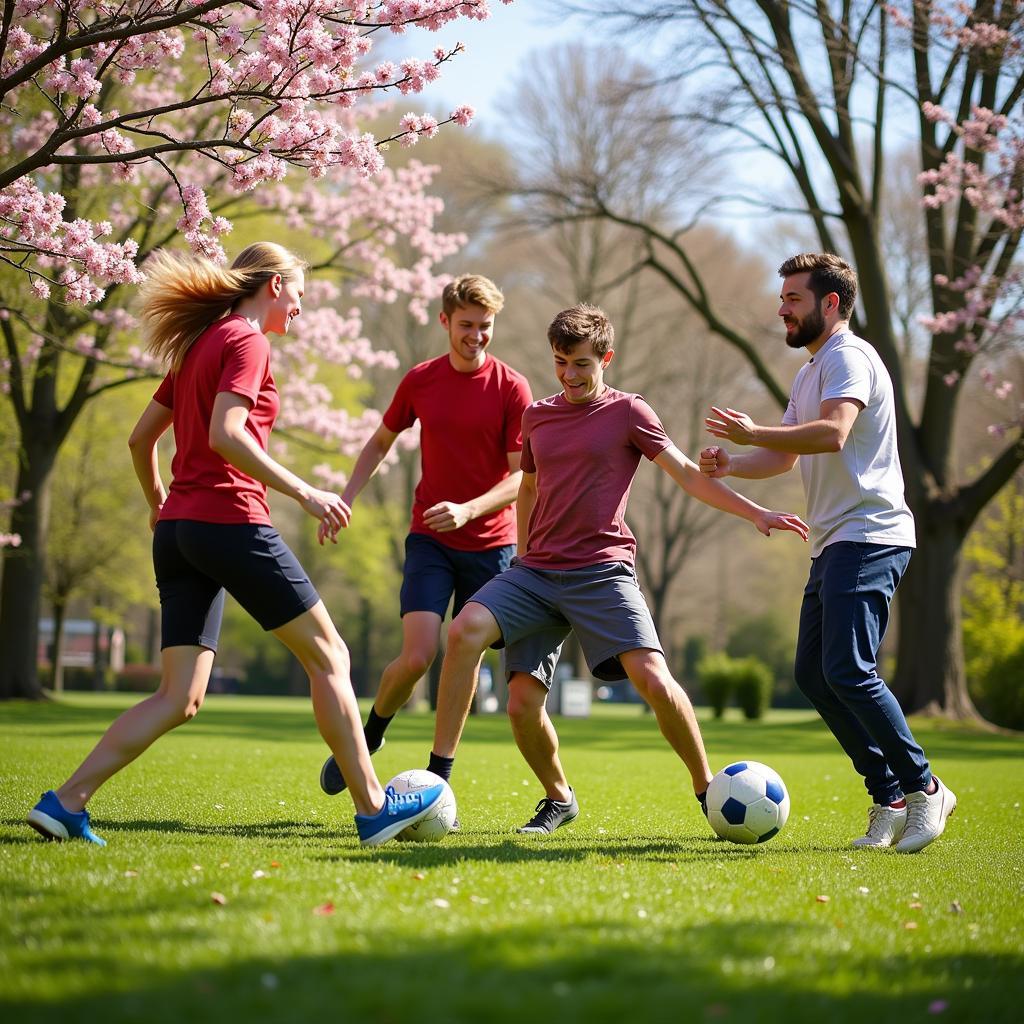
x=747, y=802
x=438, y=823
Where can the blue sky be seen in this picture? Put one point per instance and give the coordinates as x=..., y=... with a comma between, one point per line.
x=495, y=50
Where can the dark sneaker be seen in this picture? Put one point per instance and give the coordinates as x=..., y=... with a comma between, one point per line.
x=552, y=814
x=52, y=820
x=702, y=799
x=399, y=811
x=332, y=782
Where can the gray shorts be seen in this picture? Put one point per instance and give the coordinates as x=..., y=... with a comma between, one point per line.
x=536, y=608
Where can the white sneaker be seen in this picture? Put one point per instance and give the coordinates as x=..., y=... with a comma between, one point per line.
x=926, y=818
x=885, y=826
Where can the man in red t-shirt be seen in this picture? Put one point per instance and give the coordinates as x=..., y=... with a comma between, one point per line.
x=581, y=449
x=470, y=407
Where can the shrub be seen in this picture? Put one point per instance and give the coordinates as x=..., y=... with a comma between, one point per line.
x=716, y=680
x=753, y=685
x=695, y=650
x=1000, y=691
x=749, y=680
x=137, y=679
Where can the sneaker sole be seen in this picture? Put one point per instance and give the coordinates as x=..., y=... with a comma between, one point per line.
x=47, y=827
x=543, y=831
x=917, y=848
x=392, y=830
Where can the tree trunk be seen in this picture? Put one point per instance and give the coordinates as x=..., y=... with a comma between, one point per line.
x=21, y=591
x=930, y=671
x=57, y=656
x=361, y=672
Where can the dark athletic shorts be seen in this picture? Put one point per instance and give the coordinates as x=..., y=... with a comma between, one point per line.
x=536, y=608
x=196, y=562
x=434, y=572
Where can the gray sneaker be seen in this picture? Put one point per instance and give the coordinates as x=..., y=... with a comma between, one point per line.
x=552, y=814
x=885, y=826
x=332, y=782
x=926, y=818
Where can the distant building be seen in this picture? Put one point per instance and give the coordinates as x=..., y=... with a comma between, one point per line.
x=80, y=643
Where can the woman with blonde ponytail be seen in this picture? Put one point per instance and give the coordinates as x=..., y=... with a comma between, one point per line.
x=212, y=531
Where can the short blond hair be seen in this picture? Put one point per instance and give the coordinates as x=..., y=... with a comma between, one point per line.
x=579, y=323
x=472, y=290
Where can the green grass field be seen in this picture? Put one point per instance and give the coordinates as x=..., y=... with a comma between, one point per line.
x=633, y=913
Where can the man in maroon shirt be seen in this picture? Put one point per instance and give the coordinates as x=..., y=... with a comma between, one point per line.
x=574, y=569
x=470, y=407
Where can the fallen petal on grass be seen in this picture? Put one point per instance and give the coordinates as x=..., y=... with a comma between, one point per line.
x=219, y=898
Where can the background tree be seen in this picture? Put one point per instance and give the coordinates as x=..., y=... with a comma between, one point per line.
x=94, y=544
x=822, y=91
x=181, y=102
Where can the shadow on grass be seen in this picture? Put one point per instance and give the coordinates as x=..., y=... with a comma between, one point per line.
x=592, y=971
x=703, y=848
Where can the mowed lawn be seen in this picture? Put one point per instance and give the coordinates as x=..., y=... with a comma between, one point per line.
x=633, y=913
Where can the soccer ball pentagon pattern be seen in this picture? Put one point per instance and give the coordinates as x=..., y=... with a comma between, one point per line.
x=747, y=802
x=438, y=823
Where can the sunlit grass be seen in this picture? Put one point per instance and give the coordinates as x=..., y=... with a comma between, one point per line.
x=633, y=913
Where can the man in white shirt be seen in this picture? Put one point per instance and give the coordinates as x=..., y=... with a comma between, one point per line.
x=841, y=419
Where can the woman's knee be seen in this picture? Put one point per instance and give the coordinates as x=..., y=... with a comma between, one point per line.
x=178, y=706
x=328, y=659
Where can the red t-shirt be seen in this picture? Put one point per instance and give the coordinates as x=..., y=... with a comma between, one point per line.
x=469, y=423
x=585, y=457
x=230, y=355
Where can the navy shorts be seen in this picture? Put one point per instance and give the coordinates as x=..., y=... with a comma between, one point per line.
x=536, y=608
x=435, y=572
x=196, y=562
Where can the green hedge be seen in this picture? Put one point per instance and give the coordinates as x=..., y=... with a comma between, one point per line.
x=746, y=680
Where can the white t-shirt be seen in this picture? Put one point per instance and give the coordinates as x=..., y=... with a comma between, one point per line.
x=857, y=493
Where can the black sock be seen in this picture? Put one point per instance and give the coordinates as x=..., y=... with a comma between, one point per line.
x=702, y=799
x=441, y=766
x=374, y=729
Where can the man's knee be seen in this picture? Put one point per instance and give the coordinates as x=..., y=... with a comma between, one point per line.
x=652, y=680
x=470, y=632
x=526, y=698
x=418, y=660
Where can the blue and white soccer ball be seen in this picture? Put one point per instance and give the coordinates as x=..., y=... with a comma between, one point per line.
x=438, y=823
x=747, y=802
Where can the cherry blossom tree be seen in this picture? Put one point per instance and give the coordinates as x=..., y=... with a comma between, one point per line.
x=130, y=125
x=826, y=91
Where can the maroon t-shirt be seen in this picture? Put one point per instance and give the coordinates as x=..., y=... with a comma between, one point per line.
x=585, y=457
x=230, y=355
x=469, y=423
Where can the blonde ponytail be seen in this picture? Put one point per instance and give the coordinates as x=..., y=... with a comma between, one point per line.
x=183, y=294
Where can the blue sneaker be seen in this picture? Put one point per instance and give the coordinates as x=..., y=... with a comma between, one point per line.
x=52, y=820
x=332, y=782
x=399, y=810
